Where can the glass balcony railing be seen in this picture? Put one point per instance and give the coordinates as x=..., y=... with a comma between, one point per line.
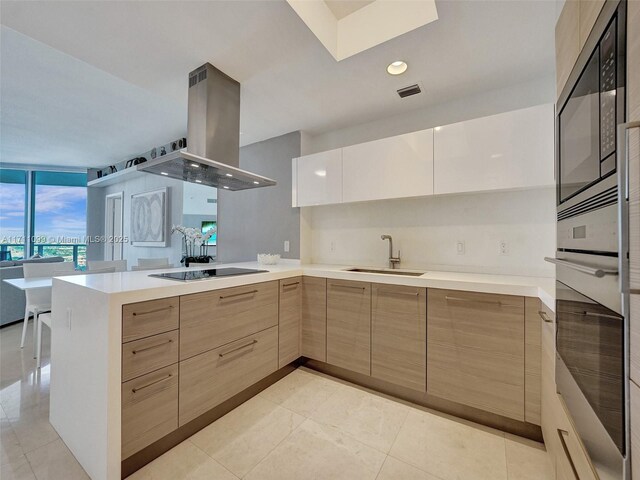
x=76, y=253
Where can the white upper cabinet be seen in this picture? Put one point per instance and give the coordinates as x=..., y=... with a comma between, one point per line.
x=393, y=167
x=505, y=151
x=317, y=179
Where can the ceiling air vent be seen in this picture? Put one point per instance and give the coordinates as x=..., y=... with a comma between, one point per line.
x=410, y=90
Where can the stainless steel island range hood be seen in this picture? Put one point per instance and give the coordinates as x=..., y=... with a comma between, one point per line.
x=213, y=137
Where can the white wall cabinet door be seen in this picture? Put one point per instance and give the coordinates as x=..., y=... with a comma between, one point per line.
x=318, y=179
x=393, y=167
x=505, y=151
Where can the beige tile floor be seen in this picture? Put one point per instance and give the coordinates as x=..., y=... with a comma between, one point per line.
x=307, y=426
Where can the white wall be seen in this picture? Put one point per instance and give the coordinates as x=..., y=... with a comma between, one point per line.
x=535, y=92
x=427, y=229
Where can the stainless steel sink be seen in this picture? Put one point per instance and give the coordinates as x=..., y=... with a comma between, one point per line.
x=386, y=271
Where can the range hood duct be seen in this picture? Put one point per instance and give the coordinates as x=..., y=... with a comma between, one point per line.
x=212, y=155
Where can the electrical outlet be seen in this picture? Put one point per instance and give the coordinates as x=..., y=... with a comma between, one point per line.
x=286, y=245
x=504, y=249
x=332, y=246
x=460, y=248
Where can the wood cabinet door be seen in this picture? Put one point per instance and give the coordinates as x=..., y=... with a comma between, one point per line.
x=317, y=179
x=144, y=319
x=211, y=319
x=548, y=395
x=399, y=335
x=567, y=42
x=634, y=407
x=349, y=325
x=533, y=318
x=289, y=320
x=475, y=350
x=393, y=167
x=210, y=378
x=589, y=11
x=633, y=59
x=149, y=409
x=314, y=318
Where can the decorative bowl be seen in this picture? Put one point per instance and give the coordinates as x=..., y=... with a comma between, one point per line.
x=268, y=258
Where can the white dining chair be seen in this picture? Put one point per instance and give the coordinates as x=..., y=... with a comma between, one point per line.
x=43, y=319
x=137, y=268
x=120, y=265
x=101, y=270
x=146, y=263
x=39, y=300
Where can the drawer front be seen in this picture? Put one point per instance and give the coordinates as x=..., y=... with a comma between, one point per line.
x=149, y=409
x=572, y=447
x=212, y=319
x=144, y=319
x=314, y=318
x=475, y=350
x=349, y=325
x=210, y=378
x=399, y=335
x=289, y=321
x=532, y=359
x=149, y=354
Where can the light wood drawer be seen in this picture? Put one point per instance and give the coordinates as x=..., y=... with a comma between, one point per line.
x=289, y=321
x=475, y=350
x=572, y=445
x=211, y=319
x=349, y=325
x=314, y=318
x=149, y=354
x=144, y=319
x=399, y=335
x=210, y=378
x=149, y=409
x=634, y=393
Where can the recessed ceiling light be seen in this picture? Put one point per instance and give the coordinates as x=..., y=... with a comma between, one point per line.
x=397, y=68
x=256, y=183
x=195, y=165
x=437, y=129
x=228, y=175
x=164, y=173
x=225, y=187
x=321, y=173
x=198, y=181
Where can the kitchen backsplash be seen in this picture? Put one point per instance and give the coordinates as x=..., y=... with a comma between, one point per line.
x=498, y=232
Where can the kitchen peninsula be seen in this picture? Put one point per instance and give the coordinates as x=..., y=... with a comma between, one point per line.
x=139, y=362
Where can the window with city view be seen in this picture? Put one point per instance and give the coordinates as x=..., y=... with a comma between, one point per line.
x=56, y=217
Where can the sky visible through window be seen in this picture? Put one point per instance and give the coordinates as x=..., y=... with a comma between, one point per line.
x=59, y=215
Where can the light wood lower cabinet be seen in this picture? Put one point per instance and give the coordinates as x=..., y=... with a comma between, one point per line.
x=289, y=321
x=211, y=319
x=349, y=325
x=314, y=318
x=210, y=378
x=534, y=315
x=144, y=319
x=634, y=408
x=475, y=350
x=149, y=409
x=399, y=335
x=149, y=354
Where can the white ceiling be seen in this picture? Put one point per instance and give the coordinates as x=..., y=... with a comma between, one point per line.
x=342, y=8
x=91, y=83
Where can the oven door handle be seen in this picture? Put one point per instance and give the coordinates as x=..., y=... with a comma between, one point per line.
x=580, y=267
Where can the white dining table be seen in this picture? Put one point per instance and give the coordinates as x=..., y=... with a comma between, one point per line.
x=30, y=283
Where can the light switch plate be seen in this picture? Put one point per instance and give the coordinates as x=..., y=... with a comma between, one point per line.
x=286, y=245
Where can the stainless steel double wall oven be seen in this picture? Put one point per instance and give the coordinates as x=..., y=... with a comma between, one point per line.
x=591, y=258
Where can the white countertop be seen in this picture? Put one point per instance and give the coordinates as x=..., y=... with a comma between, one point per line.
x=138, y=286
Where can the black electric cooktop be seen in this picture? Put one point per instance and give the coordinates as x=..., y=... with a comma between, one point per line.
x=193, y=275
